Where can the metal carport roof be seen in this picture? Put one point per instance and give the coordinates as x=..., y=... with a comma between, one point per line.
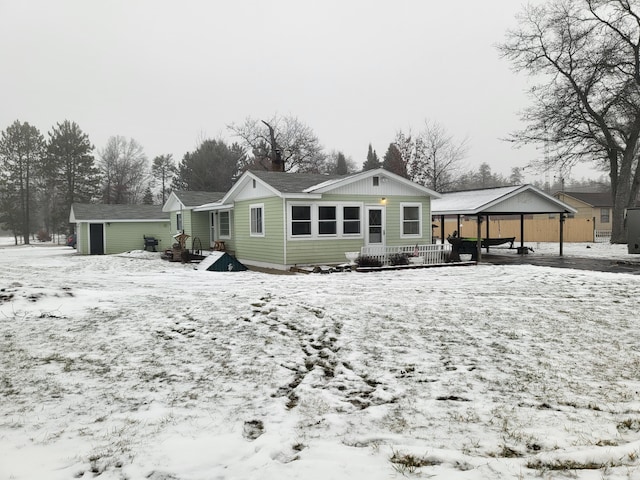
x=516, y=200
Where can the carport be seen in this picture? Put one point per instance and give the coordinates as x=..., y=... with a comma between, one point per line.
x=504, y=201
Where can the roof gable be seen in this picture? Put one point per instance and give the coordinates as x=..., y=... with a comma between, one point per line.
x=313, y=185
x=525, y=199
x=187, y=199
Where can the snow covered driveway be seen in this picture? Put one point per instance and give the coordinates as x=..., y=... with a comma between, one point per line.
x=128, y=367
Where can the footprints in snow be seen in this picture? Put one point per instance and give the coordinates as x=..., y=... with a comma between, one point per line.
x=321, y=365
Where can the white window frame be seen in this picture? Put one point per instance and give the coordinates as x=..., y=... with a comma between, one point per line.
x=179, y=226
x=256, y=206
x=219, y=226
x=291, y=220
x=334, y=220
x=343, y=220
x=403, y=205
x=315, y=220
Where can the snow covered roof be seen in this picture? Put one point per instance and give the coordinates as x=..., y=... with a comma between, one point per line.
x=523, y=199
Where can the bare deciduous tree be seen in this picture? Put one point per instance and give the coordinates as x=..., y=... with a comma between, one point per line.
x=585, y=56
x=125, y=171
x=280, y=139
x=433, y=157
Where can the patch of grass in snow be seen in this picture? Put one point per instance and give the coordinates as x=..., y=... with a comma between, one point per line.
x=567, y=465
x=408, y=463
x=631, y=424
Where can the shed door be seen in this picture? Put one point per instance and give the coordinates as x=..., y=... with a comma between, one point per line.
x=96, y=239
x=375, y=226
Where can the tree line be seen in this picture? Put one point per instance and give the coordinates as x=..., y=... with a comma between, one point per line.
x=41, y=177
x=583, y=55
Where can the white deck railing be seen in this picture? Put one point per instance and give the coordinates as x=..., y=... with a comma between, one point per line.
x=418, y=254
x=602, y=236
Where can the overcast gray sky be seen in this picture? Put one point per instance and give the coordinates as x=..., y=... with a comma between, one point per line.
x=169, y=73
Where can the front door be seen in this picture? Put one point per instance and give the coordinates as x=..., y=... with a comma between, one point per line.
x=375, y=232
x=96, y=239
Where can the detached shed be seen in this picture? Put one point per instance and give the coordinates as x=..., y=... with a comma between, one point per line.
x=108, y=229
x=521, y=201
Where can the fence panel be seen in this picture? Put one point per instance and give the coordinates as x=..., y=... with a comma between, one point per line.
x=432, y=254
x=535, y=229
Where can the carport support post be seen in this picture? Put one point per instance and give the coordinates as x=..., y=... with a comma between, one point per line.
x=522, y=233
x=487, y=230
x=479, y=238
x=561, y=232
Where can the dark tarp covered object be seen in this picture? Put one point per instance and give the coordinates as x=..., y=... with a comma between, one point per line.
x=220, y=262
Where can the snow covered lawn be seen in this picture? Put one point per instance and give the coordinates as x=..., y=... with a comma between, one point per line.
x=128, y=367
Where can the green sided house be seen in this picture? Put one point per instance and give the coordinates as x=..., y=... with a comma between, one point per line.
x=199, y=225
x=107, y=229
x=281, y=220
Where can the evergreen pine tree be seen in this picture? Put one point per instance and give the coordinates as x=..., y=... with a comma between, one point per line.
x=372, y=160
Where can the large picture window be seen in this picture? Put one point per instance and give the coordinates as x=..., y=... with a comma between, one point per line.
x=324, y=220
x=257, y=220
x=300, y=220
x=327, y=222
x=411, y=218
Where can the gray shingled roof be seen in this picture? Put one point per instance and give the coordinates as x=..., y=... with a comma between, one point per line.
x=93, y=211
x=293, y=182
x=193, y=199
x=595, y=199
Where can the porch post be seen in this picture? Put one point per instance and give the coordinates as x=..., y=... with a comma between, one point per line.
x=442, y=229
x=522, y=233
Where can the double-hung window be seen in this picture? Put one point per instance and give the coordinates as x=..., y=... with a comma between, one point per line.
x=411, y=219
x=351, y=220
x=224, y=224
x=604, y=215
x=327, y=221
x=257, y=220
x=300, y=220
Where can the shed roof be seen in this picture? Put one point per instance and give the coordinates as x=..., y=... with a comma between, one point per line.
x=523, y=199
x=85, y=212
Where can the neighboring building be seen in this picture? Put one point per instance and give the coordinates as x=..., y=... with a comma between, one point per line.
x=278, y=220
x=106, y=229
x=593, y=205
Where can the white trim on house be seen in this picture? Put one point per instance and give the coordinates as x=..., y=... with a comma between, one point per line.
x=402, y=220
x=260, y=207
x=314, y=221
x=333, y=184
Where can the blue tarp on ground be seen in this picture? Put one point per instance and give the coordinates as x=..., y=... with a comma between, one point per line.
x=220, y=262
